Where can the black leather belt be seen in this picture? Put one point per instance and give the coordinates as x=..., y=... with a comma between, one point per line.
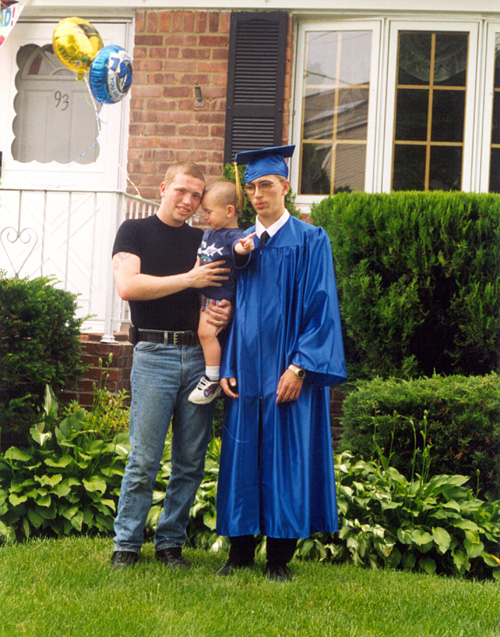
x=168, y=338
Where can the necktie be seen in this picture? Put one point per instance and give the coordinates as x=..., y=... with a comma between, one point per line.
x=264, y=238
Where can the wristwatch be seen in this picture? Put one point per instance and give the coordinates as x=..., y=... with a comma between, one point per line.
x=298, y=371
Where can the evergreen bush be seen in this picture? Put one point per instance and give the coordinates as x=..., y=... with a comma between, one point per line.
x=459, y=414
x=418, y=277
x=39, y=345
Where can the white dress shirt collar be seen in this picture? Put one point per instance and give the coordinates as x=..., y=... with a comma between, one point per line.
x=273, y=229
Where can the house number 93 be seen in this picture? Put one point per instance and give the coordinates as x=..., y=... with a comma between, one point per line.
x=62, y=100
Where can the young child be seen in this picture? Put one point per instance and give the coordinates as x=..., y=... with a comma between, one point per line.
x=220, y=242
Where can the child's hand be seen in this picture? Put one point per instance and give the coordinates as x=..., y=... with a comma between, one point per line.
x=246, y=244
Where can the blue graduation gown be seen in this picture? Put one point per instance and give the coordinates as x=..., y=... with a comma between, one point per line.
x=276, y=473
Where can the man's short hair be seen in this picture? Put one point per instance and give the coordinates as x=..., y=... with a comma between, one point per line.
x=186, y=168
x=224, y=191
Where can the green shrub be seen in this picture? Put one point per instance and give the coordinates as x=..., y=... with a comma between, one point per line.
x=460, y=415
x=39, y=345
x=246, y=217
x=431, y=525
x=418, y=277
x=66, y=482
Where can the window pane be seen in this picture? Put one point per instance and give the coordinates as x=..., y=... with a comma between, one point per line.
x=445, y=168
x=336, y=101
x=318, y=114
x=495, y=134
x=316, y=169
x=350, y=167
x=451, y=59
x=352, y=113
x=409, y=168
x=355, y=57
x=321, y=58
x=414, y=58
x=448, y=116
x=55, y=118
x=412, y=114
x=495, y=170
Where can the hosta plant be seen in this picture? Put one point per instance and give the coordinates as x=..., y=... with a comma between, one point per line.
x=434, y=525
x=66, y=482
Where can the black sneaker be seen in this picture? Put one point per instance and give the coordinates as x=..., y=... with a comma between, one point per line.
x=278, y=572
x=123, y=559
x=171, y=557
x=231, y=565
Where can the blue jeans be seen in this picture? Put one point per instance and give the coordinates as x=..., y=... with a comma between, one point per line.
x=162, y=378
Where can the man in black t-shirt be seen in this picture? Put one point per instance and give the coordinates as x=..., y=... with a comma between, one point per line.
x=157, y=272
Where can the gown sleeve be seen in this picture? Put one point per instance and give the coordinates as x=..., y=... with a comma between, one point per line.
x=319, y=348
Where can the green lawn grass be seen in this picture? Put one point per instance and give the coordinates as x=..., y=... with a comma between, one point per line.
x=66, y=588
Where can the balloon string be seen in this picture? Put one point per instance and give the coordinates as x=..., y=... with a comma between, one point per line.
x=99, y=120
x=99, y=123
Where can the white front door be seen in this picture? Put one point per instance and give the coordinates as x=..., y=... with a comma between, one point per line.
x=48, y=122
x=54, y=160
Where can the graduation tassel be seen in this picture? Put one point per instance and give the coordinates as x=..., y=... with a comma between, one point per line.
x=240, y=198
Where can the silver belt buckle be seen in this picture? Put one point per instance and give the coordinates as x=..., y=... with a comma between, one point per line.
x=165, y=338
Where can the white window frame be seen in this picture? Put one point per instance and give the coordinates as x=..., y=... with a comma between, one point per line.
x=472, y=126
x=492, y=29
x=304, y=201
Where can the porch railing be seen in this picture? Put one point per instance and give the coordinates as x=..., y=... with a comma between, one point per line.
x=68, y=235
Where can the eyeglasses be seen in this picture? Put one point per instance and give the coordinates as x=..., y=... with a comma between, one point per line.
x=263, y=186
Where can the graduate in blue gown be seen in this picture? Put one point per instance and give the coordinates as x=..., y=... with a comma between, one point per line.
x=283, y=353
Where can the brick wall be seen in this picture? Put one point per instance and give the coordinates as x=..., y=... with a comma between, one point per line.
x=119, y=367
x=174, y=51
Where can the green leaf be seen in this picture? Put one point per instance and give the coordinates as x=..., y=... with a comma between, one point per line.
x=61, y=490
x=69, y=512
x=13, y=453
x=409, y=561
x=88, y=516
x=35, y=519
x=491, y=560
x=62, y=462
x=473, y=549
x=77, y=521
x=95, y=484
x=50, y=481
x=442, y=538
x=460, y=560
x=26, y=528
x=404, y=536
x=210, y=521
x=15, y=500
x=452, y=504
x=394, y=558
x=466, y=525
x=427, y=564
x=39, y=436
x=421, y=537
x=43, y=500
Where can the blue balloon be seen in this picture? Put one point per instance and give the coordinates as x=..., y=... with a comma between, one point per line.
x=110, y=75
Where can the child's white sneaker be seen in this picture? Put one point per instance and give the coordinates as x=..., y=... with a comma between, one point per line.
x=205, y=391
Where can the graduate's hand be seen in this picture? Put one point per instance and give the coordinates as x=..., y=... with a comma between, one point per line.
x=288, y=388
x=246, y=244
x=203, y=276
x=229, y=386
x=219, y=315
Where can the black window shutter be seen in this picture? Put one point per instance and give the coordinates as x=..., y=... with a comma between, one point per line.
x=256, y=81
